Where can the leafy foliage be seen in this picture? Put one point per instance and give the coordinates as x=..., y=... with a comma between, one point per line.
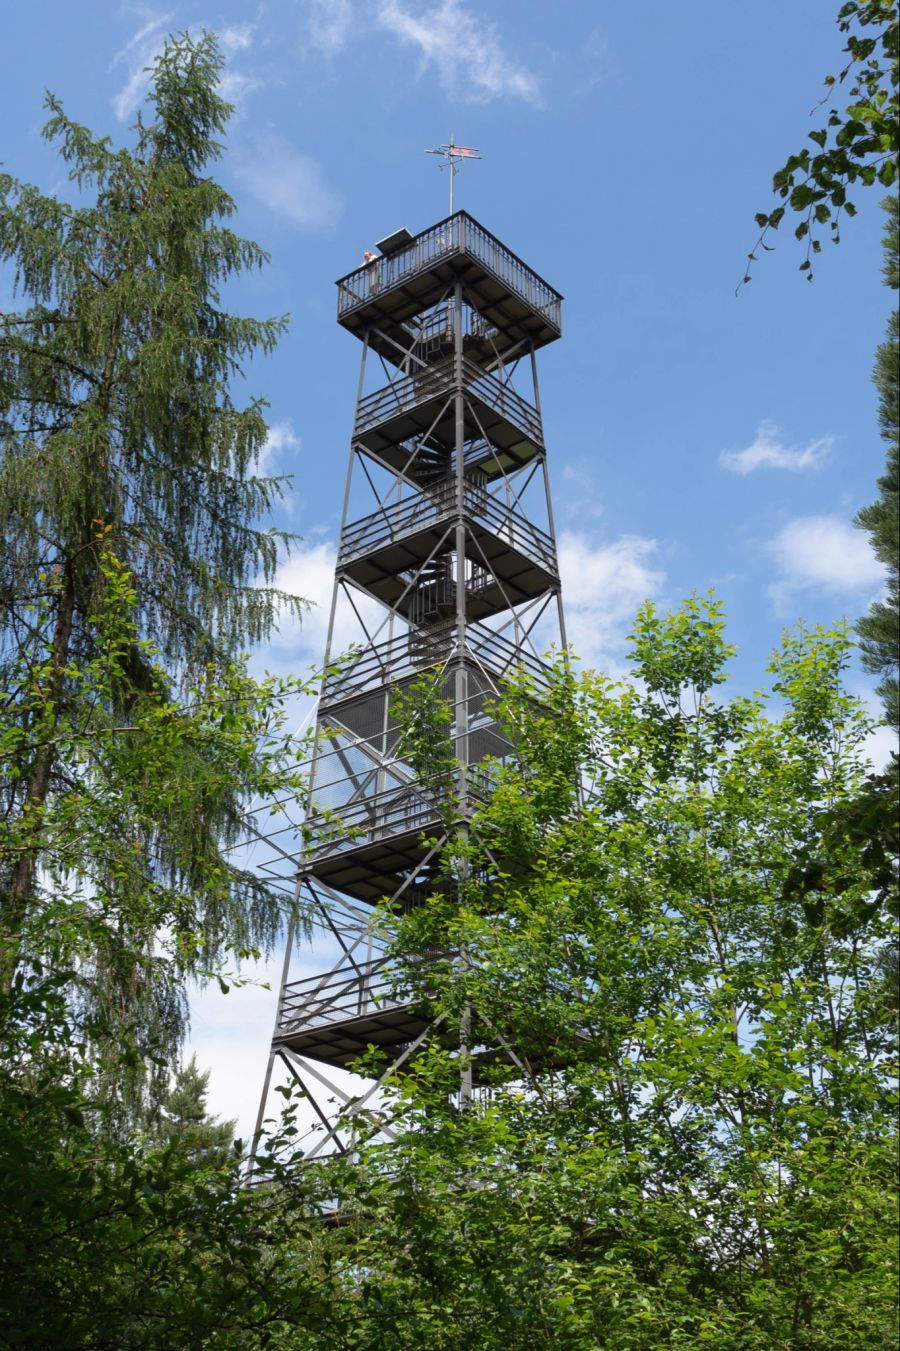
x=684, y=1131
x=856, y=146
x=118, y=1243
x=137, y=894
x=689, y=1136
x=880, y=629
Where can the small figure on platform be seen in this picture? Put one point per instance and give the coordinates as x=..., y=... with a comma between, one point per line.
x=371, y=262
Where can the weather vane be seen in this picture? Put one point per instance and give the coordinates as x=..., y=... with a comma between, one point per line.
x=451, y=155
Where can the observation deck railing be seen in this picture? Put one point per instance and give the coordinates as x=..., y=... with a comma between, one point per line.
x=404, y=810
x=350, y=992
x=405, y=518
x=392, y=661
x=458, y=234
x=381, y=816
x=411, y=391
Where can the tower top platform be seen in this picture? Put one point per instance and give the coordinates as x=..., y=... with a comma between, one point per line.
x=382, y=295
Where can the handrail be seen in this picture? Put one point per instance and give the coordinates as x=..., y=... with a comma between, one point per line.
x=403, y=518
x=343, y=994
x=394, y=812
x=411, y=390
x=386, y=662
x=459, y=233
x=381, y=661
x=499, y=654
x=404, y=393
x=318, y=1001
x=501, y=396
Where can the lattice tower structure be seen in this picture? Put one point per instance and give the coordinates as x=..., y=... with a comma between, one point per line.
x=447, y=566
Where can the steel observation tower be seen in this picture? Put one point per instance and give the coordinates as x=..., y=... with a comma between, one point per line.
x=447, y=567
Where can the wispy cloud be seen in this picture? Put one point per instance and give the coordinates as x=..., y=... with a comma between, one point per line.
x=603, y=585
x=231, y=1034
x=290, y=184
x=144, y=46
x=279, y=438
x=464, y=50
x=821, y=553
x=139, y=52
x=768, y=451
x=236, y=38
x=309, y=572
x=330, y=24
x=581, y=492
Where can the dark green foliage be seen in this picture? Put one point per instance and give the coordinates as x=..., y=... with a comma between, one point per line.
x=124, y=1244
x=136, y=571
x=856, y=146
x=880, y=629
x=690, y=1135
x=181, y=1117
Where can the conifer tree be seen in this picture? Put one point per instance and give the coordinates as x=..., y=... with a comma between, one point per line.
x=135, y=570
x=182, y=1117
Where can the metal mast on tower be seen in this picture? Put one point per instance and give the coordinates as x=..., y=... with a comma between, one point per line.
x=447, y=565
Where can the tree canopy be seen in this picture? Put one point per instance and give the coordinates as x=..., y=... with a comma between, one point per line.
x=880, y=629
x=685, y=1132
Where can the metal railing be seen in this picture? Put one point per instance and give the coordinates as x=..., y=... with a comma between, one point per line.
x=336, y=997
x=390, y=661
x=410, y=391
x=392, y=523
x=402, y=519
x=459, y=233
x=398, y=811
x=435, y=333
x=369, y=668
x=500, y=655
x=405, y=393
x=405, y=810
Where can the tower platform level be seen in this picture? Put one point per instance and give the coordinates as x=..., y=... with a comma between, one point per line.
x=382, y=297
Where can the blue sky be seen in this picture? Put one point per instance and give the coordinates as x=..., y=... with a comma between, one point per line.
x=695, y=438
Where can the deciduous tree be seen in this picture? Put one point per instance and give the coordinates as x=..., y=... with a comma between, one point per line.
x=689, y=1135
x=880, y=629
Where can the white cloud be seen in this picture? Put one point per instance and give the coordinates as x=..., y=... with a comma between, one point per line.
x=280, y=437
x=881, y=745
x=310, y=573
x=234, y=86
x=290, y=184
x=230, y=1034
x=329, y=25
x=136, y=56
x=142, y=49
x=236, y=38
x=582, y=495
x=602, y=587
x=463, y=49
x=822, y=553
x=768, y=451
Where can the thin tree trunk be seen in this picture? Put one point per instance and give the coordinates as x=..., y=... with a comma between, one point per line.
x=21, y=883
